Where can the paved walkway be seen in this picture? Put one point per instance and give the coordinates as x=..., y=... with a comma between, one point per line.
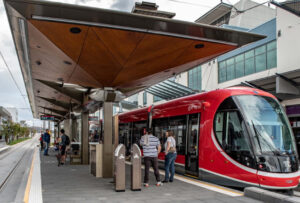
x=73, y=183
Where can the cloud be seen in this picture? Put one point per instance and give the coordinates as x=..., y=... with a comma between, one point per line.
x=123, y=5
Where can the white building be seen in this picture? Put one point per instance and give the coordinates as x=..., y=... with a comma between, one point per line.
x=271, y=64
x=14, y=113
x=205, y=77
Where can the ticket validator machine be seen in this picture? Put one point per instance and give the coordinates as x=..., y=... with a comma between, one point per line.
x=119, y=169
x=136, y=171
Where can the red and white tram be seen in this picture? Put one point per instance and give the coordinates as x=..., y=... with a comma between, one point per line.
x=236, y=137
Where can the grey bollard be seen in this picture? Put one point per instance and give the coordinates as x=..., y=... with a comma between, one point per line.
x=136, y=168
x=119, y=171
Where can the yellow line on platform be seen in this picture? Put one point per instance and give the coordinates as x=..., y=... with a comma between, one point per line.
x=212, y=185
x=27, y=190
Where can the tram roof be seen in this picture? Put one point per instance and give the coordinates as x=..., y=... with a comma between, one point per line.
x=190, y=104
x=82, y=48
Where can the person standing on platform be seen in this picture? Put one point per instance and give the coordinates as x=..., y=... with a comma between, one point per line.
x=41, y=141
x=170, y=151
x=65, y=140
x=151, y=149
x=46, y=138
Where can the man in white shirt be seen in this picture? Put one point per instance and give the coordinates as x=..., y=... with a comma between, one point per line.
x=151, y=149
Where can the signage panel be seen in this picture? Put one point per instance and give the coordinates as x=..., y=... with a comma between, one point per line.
x=47, y=118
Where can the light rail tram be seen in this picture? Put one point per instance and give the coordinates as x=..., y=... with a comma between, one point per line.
x=237, y=137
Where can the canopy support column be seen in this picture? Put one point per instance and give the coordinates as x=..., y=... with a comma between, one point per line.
x=73, y=129
x=108, y=141
x=85, y=134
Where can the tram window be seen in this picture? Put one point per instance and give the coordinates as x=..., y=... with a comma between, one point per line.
x=125, y=135
x=160, y=126
x=178, y=126
x=231, y=133
x=219, y=125
x=138, y=131
x=235, y=137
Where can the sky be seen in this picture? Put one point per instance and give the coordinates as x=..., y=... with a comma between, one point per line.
x=12, y=87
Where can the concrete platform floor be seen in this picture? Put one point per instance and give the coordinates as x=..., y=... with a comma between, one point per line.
x=74, y=183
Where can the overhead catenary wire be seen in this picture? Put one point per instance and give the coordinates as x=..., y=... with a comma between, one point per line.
x=242, y=11
x=238, y=11
x=190, y=3
x=14, y=80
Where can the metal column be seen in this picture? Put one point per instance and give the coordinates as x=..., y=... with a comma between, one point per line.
x=73, y=129
x=85, y=135
x=108, y=142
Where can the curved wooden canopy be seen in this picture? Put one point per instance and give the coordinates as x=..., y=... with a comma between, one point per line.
x=97, y=48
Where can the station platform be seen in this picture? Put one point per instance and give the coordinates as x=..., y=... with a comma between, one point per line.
x=74, y=183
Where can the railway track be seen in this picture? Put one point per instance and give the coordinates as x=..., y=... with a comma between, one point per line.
x=11, y=172
x=15, y=171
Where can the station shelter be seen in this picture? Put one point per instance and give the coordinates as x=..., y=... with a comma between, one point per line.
x=77, y=59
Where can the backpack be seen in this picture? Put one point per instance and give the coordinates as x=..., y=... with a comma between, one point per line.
x=67, y=140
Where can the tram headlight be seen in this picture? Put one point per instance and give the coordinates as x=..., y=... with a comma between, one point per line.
x=262, y=166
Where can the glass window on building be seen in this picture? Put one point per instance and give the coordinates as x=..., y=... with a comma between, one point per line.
x=271, y=55
x=156, y=98
x=249, y=62
x=145, y=98
x=133, y=99
x=222, y=71
x=230, y=69
x=260, y=59
x=194, y=78
x=239, y=66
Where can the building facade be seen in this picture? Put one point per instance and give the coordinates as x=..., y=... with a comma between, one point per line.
x=14, y=114
x=4, y=116
x=271, y=64
x=234, y=66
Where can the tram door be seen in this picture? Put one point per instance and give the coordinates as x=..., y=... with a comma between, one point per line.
x=191, y=155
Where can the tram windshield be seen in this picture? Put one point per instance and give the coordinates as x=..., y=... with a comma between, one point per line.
x=272, y=134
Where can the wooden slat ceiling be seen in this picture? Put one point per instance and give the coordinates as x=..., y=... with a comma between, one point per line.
x=104, y=55
x=128, y=60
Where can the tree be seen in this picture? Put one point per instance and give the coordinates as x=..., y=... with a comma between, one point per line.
x=6, y=130
x=12, y=131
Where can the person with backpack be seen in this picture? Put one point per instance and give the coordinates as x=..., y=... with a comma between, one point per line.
x=65, y=141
